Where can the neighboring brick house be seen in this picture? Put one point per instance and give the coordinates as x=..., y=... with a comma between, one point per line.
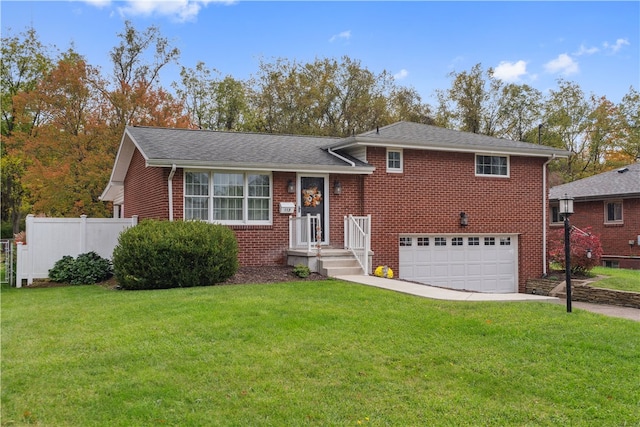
x=447, y=208
x=609, y=203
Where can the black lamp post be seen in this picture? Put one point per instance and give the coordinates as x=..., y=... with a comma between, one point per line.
x=566, y=209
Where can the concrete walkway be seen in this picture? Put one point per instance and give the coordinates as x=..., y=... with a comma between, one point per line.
x=434, y=292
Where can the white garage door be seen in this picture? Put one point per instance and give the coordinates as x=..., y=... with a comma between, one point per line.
x=469, y=262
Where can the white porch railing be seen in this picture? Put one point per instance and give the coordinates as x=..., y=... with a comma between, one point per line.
x=357, y=238
x=305, y=232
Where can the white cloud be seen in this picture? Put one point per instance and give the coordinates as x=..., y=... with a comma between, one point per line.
x=180, y=10
x=400, y=74
x=586, y=50
x=614, y=48
x=563, y=64
x=346, y=35
x=510, y=71
x=98, y=3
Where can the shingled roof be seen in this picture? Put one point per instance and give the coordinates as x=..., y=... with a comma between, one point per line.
x=427, y=137
x=188, y=148
x=197, y=148
x=618, y=183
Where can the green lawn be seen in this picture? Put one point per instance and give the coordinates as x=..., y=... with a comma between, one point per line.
x=309, y=353
x=621, y=279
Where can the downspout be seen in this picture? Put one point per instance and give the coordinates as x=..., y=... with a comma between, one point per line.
x=170, y=184
x=341, y=157
x=545, y=209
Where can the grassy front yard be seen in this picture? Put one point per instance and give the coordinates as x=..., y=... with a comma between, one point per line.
x=313, y=353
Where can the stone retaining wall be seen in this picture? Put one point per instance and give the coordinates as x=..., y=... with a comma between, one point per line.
x=582, y=290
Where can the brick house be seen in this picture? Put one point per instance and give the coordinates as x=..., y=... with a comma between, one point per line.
x=609, y=203
x=437, y=206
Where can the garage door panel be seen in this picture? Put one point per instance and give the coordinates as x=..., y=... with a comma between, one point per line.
x=483, y=264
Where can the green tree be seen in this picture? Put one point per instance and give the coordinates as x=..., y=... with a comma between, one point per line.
x=24, y=62
x=69, y=149
x=461, y=106
x=629, y=118
x=134, y=76
x=566, y=118
x=519, y=113
x=329, y=97
x=212, y=103
x=602, y=136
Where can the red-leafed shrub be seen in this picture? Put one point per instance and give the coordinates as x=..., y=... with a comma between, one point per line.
x=582, y=242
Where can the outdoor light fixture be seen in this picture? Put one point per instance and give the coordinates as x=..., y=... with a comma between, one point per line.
x=589, y=254
x=464, y=219
x=631, y=242
x=566, y=209
x=291, y=188
x=337, y=187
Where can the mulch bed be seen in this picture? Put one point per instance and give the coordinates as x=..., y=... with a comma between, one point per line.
x=244, y=275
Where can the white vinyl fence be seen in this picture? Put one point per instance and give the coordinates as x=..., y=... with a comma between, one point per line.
x=49, y=239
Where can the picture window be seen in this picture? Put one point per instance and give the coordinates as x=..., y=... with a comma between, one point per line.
x=227, y=198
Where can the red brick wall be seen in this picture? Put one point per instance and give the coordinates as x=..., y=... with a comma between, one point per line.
x=613, y=237
x=258, y=244
x=146, y=195
x=145, y=190
x=436, y=186
x=427, y=198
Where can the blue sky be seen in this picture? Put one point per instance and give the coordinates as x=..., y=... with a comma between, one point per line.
x=595, y=44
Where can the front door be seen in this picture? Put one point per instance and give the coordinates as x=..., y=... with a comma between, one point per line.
x=312, y=199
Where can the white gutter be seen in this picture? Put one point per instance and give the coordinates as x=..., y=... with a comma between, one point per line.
x=170, y=184
x=545, y=209
x=341, y=157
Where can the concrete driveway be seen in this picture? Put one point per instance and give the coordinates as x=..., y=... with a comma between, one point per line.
x=434, y=292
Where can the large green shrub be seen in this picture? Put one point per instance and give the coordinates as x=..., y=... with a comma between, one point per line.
x=162, y=254
x=86, y=269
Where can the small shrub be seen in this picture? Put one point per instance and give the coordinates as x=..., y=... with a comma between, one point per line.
x=162, y=254
x=301, y=271
x=86, y=269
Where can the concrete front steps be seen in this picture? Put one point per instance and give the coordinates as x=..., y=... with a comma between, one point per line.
x=339, y=266
x=331, y=262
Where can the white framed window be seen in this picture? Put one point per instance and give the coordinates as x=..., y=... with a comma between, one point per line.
x=457, y=241
x=394, y=160
x=228, y=197
x=196, y=201
x=613, y=212
x=474, y=241
x=492, y=165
